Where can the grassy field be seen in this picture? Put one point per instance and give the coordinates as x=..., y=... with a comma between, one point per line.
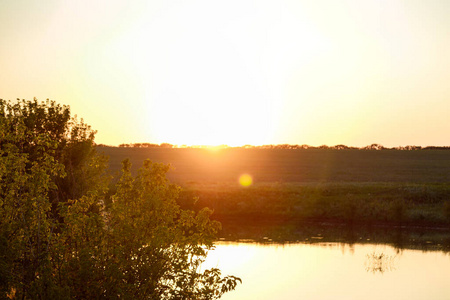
x=352, y=186
x=292, y=165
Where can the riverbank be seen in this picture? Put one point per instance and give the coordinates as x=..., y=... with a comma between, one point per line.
x=378, y=204
x=319, y=232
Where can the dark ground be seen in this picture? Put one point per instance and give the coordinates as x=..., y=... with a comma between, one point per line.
x=292, y=165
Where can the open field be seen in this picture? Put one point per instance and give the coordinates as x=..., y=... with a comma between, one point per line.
x=352, y=186
x=292, y=165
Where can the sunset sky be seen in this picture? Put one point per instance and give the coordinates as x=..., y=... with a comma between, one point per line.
x=236, y=72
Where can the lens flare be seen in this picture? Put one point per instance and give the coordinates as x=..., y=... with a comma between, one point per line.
x=245, y=180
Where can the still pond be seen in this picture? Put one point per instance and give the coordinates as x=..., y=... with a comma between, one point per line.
x=321, y=269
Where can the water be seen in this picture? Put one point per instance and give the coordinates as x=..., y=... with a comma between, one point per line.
x=318, y=269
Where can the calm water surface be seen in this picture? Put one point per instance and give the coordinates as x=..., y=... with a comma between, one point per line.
x=332, y=271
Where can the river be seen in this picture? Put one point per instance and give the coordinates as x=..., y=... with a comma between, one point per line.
x=320, y=269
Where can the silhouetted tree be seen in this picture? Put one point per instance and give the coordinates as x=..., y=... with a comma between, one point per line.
x=59, y=241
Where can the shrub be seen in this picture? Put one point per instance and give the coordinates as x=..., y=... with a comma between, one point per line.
x=59, y=241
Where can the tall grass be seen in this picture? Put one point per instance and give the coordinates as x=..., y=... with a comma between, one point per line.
x=343, y=202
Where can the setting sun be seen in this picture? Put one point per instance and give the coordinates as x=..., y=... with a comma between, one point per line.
x=236, y=72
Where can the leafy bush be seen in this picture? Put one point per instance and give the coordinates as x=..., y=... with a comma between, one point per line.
x=59, y=241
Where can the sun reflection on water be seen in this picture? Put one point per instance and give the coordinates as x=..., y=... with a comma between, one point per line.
x=328, y=271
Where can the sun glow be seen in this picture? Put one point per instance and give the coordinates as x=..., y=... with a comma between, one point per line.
x=236, y=72
x=218, y=84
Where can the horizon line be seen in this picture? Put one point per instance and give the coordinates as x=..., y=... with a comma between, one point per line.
x=373, y=146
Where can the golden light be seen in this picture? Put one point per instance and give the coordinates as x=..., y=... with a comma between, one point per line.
x=245, y=180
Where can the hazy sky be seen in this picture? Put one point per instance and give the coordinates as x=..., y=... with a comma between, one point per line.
x=236, y=72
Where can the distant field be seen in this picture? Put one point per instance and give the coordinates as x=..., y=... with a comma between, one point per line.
x=194, y=166
x=362, y=186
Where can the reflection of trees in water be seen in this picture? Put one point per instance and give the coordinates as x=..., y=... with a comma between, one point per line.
x=379, y=263
x=424, y=239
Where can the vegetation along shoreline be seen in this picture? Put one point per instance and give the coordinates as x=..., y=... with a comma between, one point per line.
x=392, y=188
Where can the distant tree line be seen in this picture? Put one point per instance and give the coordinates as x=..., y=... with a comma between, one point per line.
x=146, y=145
x=289, y=146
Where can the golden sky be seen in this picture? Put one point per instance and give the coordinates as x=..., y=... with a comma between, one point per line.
x=236, y=72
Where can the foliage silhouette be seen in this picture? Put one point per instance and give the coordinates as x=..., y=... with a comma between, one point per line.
x=57, y=238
